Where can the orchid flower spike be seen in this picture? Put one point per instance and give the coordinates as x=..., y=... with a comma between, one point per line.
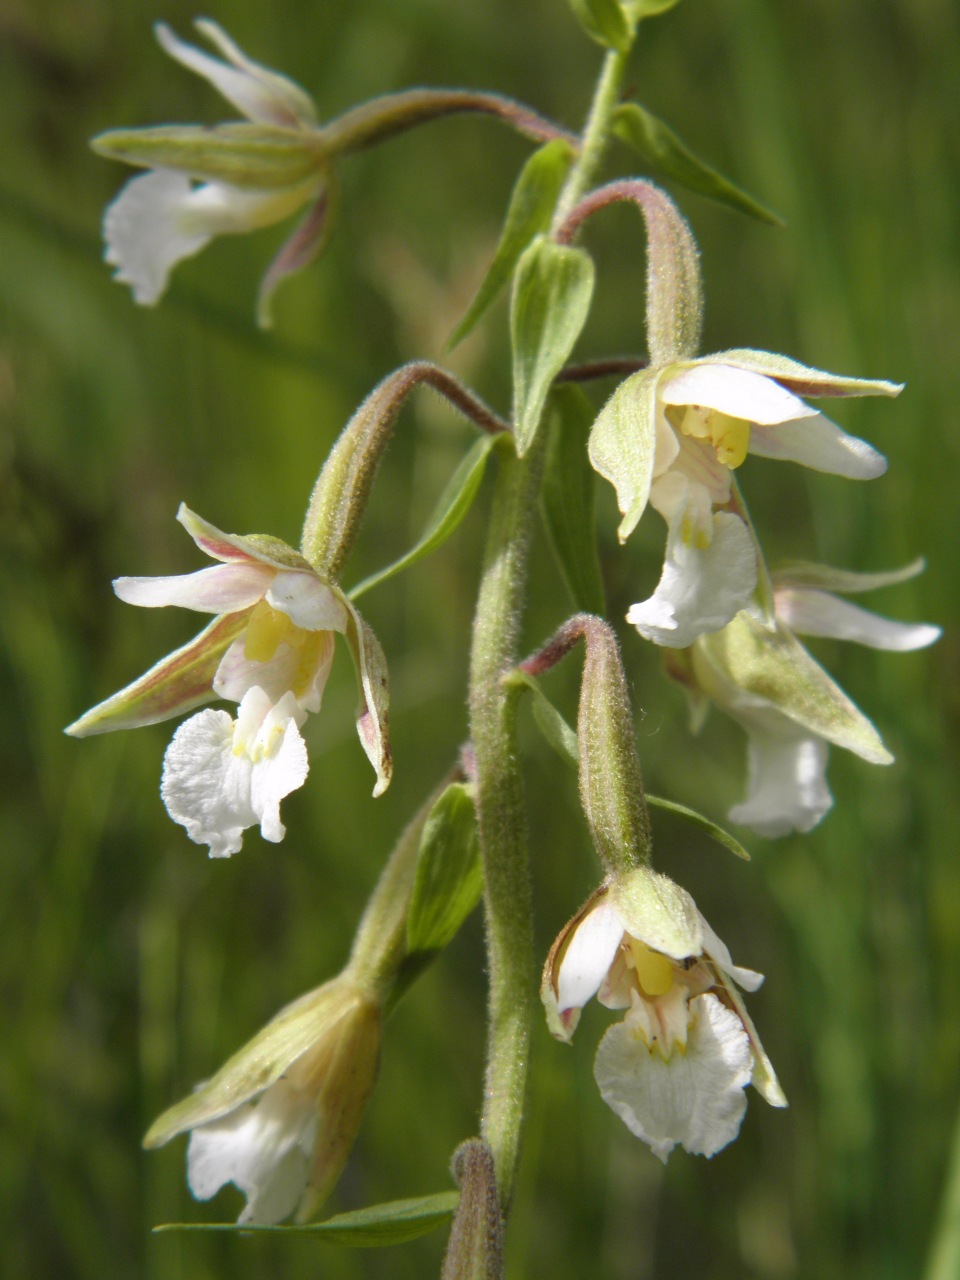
x=790, y=708
x=675, y=1069
x=269, y=649
x=249, y=175
x=280, y=1117
x=672, y=435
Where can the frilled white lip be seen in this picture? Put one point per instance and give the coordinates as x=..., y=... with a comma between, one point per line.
x=263, y=1147
x=694, y=1099
x=222, y=776
x=701, y=588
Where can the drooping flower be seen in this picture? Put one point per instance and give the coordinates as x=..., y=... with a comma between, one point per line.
x=673, y=434
x=269, y=649
x=675, y=1069
x=280, y=1117
x=249, y=175
x=790, y=708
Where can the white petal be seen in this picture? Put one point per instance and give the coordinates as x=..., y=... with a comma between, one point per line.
x=283, y=673
x=820, y=444
x=261, y=95
x=224, y=588
x=717, y=950
x=217, y=208
x=693, y=1098
x=787, y=784
x=263, y=1148
x=819, y=613
x=736, y=392
x=220, y=777
x=307, y=602
x=146, y=235
x=700, y=590
x=589, y=955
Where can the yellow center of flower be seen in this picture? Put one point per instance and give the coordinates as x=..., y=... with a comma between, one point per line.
x=265, y=630
x=654, y=971
x=729, y=436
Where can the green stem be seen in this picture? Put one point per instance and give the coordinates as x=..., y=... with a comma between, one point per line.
x=499, y=795
x=596, y=135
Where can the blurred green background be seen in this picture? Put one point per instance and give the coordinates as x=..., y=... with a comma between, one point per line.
x=131, y=966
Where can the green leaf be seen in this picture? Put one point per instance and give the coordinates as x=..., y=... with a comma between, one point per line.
x=670, y=157
x=622, y=444
x=705, y=824
x=454, y=503
x=531, y=208
x=394, y=1222
x=605, y=22
x=449, y=877
x=774, y=665
x=567, y=497
x=549, y=720
x=639, y=9
x=552, y=289
x=254, y=156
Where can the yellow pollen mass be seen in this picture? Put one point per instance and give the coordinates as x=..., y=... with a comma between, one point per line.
x=654, y=971
x=729, y=436
x=265, y=630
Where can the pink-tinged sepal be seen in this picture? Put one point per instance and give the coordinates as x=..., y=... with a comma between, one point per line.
x=373, y=720
x=178, y=683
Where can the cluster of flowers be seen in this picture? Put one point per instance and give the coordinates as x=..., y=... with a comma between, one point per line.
x=672, y=437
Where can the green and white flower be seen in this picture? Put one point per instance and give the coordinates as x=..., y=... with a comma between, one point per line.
x=269, y=649
x=675, y=1069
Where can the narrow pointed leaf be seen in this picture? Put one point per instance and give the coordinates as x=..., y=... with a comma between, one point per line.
x=649, y=8
x=529, y=213
x=552, y=289
x=550, y=722
x=176, y=684
x=567, y=497
x=606, y=22
x=449, y=877
x=775, y=667
x=252, y=156
x=699, y=820
x=393, y=1222
x=373, y=710
x=455, y=501
x=622, y=444
x=670, y=157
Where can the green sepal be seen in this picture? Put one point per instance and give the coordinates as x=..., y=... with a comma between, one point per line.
x=552, y=289
x=772, y=665
x=669, y=157
x=176, y=684
x=449, y=875
x=623, y=443
x=255, y=157
x=823, y=577
x=567, y=497
x=699, y=820
x=799, y=378
x=606, y=22
x=393, y=1222
x=453, y=505
x=529, y=213
x=654, y=908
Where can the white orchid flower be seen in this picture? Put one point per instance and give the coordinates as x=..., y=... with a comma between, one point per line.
x=787, y=704
x=280, y=1117
x=269, y=649
x=673, y=434
x=675, y=1069
x=228, y=180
